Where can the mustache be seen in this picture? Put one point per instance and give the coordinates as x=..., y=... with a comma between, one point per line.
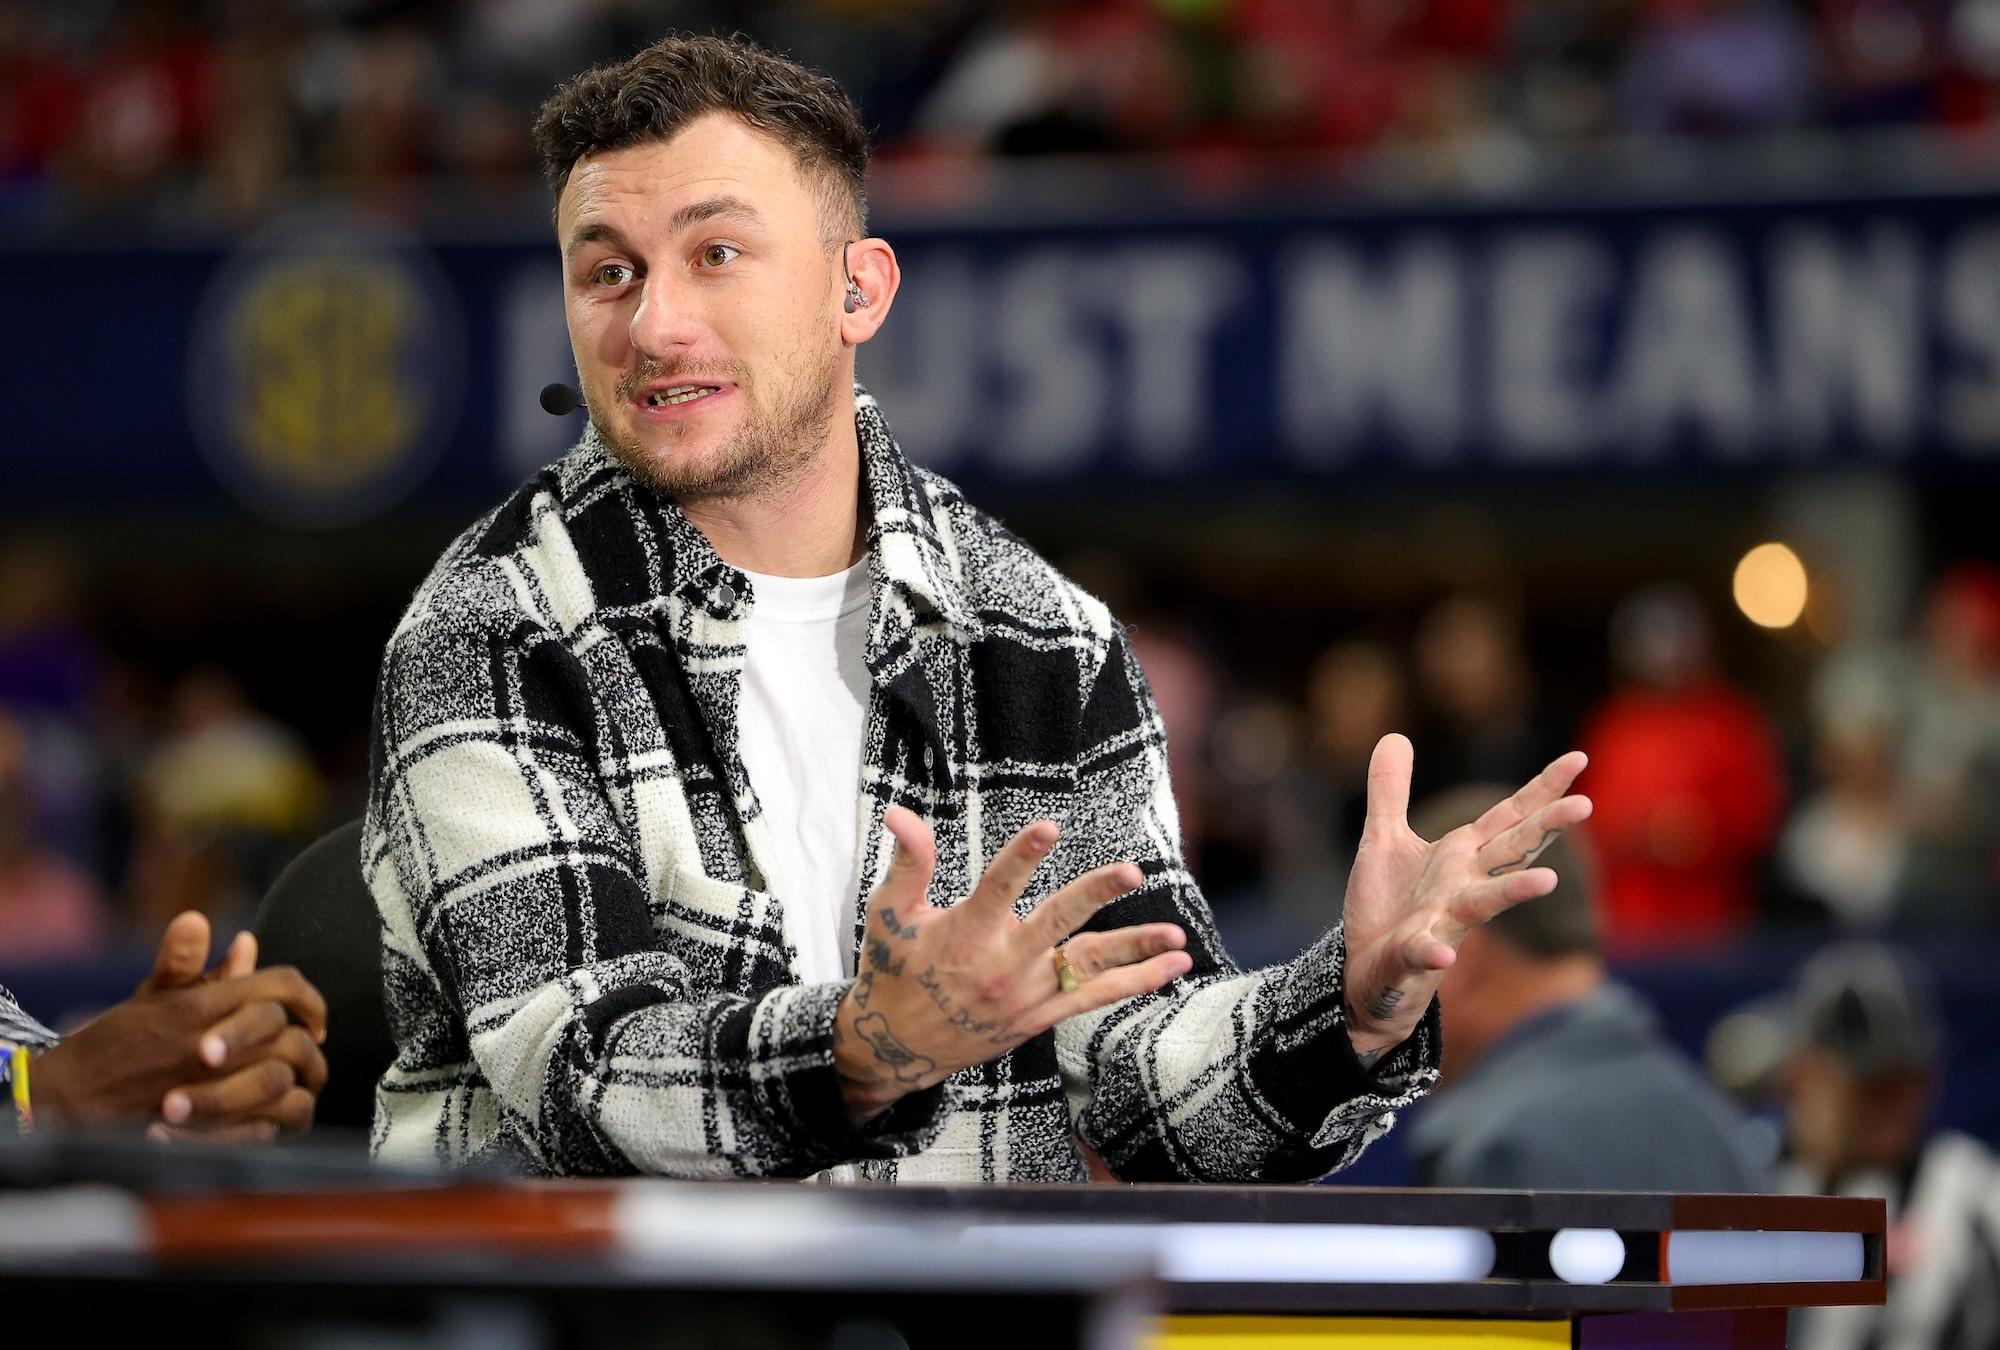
x=688, y=372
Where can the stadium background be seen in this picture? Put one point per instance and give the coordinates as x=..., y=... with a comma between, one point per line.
x=1385, y=363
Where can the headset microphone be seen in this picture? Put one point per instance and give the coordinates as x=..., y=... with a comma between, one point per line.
x=559, y=400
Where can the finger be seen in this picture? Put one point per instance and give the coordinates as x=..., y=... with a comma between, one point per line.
x=182, y=955
x=1484, y=899
x=1536, y=793
x=293, y=1111
x=279, y=984
x=250, y=1025
x=246, y=1132
x=1001, y=884
x=230, y=1097
x=297, y=1048
x=1389, y=782
x=1061, y=914
x=1092, y=954
x=900, y=898
x=1515, y=849
x=240, y=959
x=1115, y=986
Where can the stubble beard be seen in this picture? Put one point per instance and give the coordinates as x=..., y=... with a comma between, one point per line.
x=765, y=451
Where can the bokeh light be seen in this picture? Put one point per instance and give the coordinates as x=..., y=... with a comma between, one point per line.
x=1770, y=586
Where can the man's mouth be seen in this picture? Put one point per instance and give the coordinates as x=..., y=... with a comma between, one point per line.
x=677, y=394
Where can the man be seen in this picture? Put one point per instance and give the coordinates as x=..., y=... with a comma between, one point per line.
x=1555, y=1078
x=735, y=782
x=1858, y=1086
x=227, y=1056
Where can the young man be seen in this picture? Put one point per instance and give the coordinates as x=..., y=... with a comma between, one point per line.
x=646, y=734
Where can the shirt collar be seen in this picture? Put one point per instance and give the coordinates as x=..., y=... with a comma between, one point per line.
x=910, y=555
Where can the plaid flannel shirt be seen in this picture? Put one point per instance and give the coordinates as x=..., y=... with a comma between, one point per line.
x=584, y=969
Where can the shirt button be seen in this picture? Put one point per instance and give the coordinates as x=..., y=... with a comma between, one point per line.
x=725, y=594
x=928, y=757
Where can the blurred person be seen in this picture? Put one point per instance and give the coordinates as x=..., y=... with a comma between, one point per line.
x=673, y=749
x=1858, y=1087
x=1555, y=1077
x=1703, y=66
x=1478, y=694
x=1950, y=754
x=228, y=1055
x=224, y=801
x=1688, y=781
x=51, y=674
x=51, y=910
x=1845, y=849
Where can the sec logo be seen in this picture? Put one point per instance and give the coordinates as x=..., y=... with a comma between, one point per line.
x=324, y=371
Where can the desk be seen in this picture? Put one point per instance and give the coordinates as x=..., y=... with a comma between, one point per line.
x=265, y=1258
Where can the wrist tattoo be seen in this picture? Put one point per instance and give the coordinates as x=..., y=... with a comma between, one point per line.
x=1383, y=1006
x=1526, y=859
x=907, y=1065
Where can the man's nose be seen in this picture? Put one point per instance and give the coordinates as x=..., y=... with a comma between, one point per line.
x=666, y=320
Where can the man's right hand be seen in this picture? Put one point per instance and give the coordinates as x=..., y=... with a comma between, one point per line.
x=940, y=990
x=230, y=1054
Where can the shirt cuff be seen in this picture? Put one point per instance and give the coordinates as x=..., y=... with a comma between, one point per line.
x=1313, y=1080
x=804, y=1103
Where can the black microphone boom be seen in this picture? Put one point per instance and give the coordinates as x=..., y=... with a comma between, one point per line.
x=559, y=400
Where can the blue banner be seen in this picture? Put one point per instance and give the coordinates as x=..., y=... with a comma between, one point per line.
x=327, y=369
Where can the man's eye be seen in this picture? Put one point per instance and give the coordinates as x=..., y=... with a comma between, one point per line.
x=715, y=255
x=611, y=274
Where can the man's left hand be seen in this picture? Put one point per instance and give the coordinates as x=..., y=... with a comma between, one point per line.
x=1410, y=903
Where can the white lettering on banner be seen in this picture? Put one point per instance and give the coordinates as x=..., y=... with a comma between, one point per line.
x=1052, y=419
x=1846, y=333
x=534, y=351
x=1359, y=342
x=1687, y=355
x=923, y=364
x=1168, y=301
x=1969, y=279
x=1548, y=289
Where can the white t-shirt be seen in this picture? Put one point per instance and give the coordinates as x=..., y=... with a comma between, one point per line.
x=805, y=696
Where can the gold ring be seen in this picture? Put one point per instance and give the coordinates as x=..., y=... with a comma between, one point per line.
x=1066, y=975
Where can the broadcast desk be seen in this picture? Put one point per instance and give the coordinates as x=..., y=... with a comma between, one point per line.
x=256, y=1255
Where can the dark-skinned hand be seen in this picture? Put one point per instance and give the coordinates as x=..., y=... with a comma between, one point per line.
x=225, y=1055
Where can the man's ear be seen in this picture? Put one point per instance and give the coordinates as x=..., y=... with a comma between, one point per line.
x=872, y=265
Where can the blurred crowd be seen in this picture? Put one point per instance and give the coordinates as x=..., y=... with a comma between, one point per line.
x=1878, y=814
x=223, y=109
x=133, y=786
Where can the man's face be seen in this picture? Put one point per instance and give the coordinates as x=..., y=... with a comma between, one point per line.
x=703, y=303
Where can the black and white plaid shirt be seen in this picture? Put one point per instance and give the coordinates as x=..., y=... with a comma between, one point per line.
x=17, y=1028
x=584, y=971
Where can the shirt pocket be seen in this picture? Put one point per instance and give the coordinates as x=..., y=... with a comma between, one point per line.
x=730, y=936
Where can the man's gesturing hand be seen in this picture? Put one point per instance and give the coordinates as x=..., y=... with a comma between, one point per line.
x=1409, y=903
x=938, y=990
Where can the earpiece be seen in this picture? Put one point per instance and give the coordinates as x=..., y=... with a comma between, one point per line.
x=856, y=297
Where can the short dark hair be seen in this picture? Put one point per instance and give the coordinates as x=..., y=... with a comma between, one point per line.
x=1561, y=923
x=653, y=95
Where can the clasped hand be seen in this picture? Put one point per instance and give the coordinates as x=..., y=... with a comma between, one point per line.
x=939, y=990
x=225, y=1055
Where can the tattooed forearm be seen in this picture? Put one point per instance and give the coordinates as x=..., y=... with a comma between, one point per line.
x=1548, y=837
x=907, y=1065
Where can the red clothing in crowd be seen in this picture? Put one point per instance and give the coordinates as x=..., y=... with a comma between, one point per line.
x=1689, y=790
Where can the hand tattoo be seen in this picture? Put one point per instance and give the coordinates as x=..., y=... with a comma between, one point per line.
x=1383, y=1006
x=1548, y=837
x=908, y=1066
x=897, y=929
x=876, y=952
